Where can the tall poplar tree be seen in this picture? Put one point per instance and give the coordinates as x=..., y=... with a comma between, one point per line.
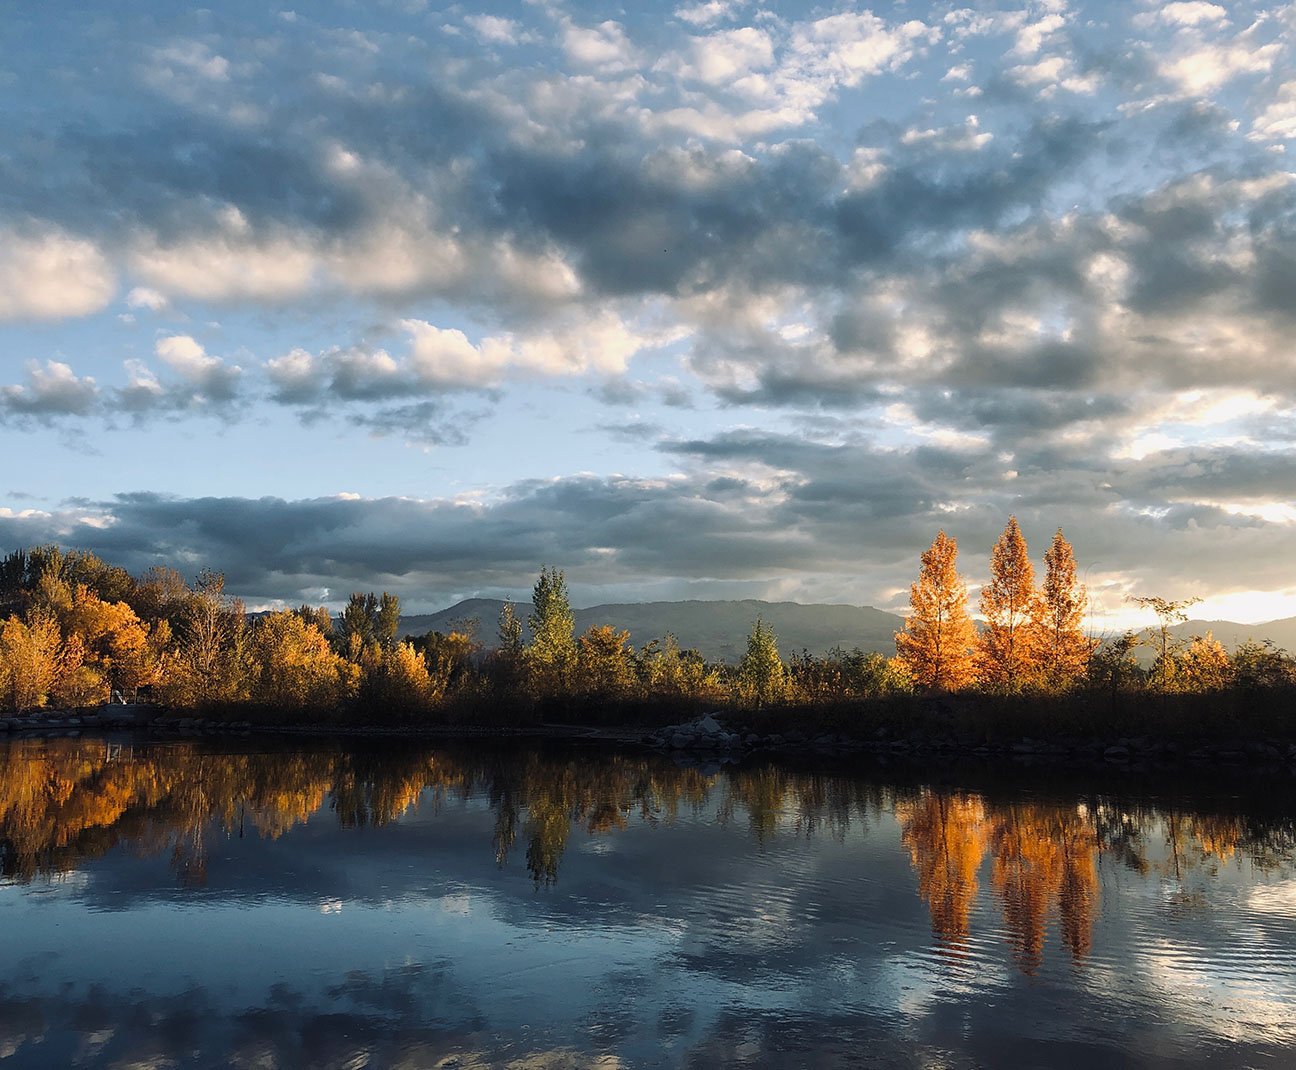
x=1060, y=643
x=1005, y=654
x=552, y=652
x=938, y=633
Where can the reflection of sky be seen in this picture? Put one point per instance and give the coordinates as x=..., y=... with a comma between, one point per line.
x=659, y=942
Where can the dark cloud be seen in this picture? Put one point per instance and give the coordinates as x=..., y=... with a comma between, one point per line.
x=753, y=508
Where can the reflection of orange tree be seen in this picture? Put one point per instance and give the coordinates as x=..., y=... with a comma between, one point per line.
x=946, y=837
x=1045, y=858
x=63, y=801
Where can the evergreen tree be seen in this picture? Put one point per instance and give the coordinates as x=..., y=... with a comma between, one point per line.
x=934, y=647
x=1060, y=643
x=1005, y=658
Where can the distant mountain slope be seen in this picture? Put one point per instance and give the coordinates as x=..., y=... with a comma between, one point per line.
x=718, y=630
x=1280, y=632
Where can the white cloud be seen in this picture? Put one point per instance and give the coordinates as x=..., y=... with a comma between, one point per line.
x=1031, y=37
x=720, y=58
x=186, y=356
x=1211, y=66
x=602, y=344
x=604, y=47
x=143, y=297
x=496, y=30
x=966, y=138
x=52, y=275
x=705, y=14
x=1190, y=13
x=1053, y=73
x=845, y=49
x=51, y=391
x=207, y=376
x=225, y=267
x=1278, y=121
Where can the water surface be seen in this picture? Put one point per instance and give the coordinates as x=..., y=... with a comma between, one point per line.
x=194, y=904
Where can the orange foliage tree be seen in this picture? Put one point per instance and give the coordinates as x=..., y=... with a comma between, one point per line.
x=934, y=647
x=1061, y=645
x=1005, y=658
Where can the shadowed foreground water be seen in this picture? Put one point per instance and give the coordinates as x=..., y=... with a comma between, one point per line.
x=184, y=904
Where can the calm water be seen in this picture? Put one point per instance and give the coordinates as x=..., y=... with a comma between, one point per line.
x=191, y=904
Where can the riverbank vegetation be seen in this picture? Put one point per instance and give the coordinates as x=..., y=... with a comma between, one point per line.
x=78, y=632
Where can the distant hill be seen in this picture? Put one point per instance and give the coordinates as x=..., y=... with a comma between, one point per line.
x=718, y=629
x=1231, y=634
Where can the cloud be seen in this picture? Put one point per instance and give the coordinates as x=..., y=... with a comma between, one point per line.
x=604, y=47
x=209, y=376
x=143, y=297
x=1278, y=120
x=706, y=13
x=46, y=274
x=496, y=30
x=1210, y=67
x=52, y=391
x=757, y=513
x=1189, y=13
x=721, y=58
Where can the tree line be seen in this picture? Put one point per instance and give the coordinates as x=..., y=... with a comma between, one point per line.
x=78, y=632
x=1033, y=638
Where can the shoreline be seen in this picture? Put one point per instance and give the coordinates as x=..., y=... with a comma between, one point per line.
x=707, y=742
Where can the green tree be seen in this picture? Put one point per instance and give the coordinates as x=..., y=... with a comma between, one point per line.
x=552, y=651
x=387, y=620
x=1168, y=615
x=357, y=630
x=760, y=673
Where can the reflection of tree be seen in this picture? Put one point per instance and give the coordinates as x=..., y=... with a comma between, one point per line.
x=63, y=801
x=1045, y=857
x=946, y=837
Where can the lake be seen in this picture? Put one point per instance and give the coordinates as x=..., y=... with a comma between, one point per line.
x=236, y=903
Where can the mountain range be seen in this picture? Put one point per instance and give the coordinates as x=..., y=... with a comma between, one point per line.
x=718, y=629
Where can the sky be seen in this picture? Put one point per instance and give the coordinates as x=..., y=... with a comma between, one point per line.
x=723, y=300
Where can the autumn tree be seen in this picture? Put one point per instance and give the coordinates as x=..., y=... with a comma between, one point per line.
x=29, y=653
x=160, y=594
x=1057, y=619
x=1004, y=657
x=604, y=660
x=450, y=658
x=400, y=682
x=1204, y=666
x=760, y=673
x=552, y=651
x=294, y=667
x=211, y=635
x=935, y=646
